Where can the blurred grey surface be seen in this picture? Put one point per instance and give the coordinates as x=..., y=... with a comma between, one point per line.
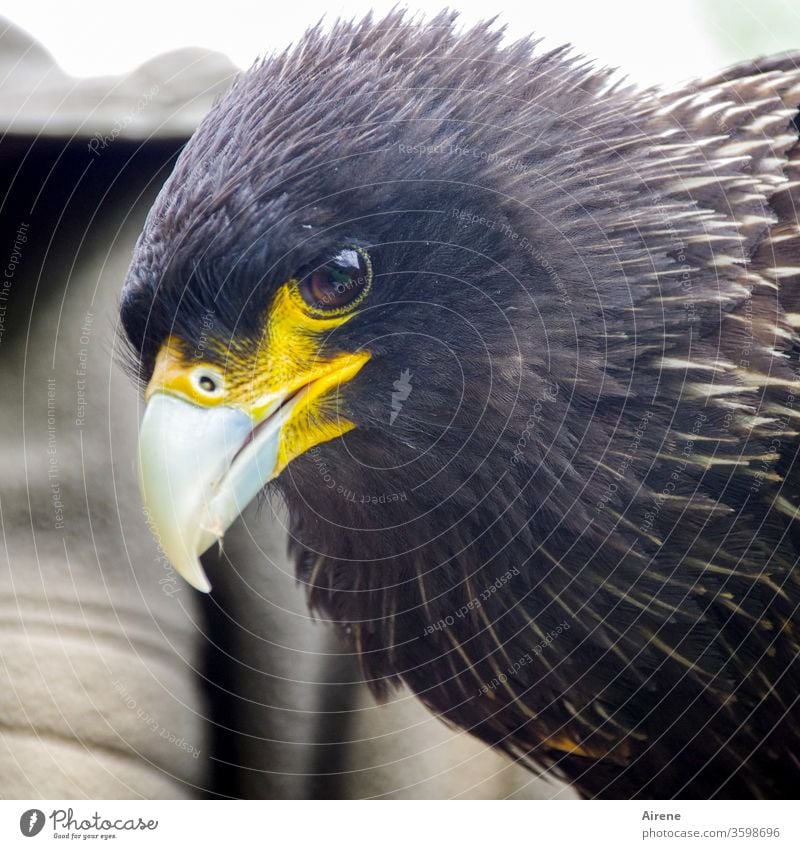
x=165, y=97
x=116, y=679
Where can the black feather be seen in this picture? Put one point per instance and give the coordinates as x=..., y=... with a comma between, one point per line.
x=578, y=537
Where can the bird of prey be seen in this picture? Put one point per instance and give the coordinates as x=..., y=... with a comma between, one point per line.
x=517, y=344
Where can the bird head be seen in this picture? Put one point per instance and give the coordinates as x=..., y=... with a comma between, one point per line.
x=328, y=290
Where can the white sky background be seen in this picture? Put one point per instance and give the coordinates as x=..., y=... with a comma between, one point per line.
x=652, y=40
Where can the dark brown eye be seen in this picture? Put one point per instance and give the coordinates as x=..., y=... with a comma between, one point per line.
x=338, y=283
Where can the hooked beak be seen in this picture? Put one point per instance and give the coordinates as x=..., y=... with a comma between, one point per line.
x=198, y=469
x=203, y=459
x=211, y=439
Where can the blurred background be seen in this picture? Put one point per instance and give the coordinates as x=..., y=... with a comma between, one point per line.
x=116, y=679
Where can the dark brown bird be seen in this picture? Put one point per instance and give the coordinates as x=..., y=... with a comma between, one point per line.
x=518, y=346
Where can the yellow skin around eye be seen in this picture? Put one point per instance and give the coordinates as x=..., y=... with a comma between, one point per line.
x=256, y=377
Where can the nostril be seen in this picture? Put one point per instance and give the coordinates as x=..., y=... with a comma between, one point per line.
x=208, y=384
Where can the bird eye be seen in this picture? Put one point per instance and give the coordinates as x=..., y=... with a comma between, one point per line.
x=339, y=283
x=207, y=382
